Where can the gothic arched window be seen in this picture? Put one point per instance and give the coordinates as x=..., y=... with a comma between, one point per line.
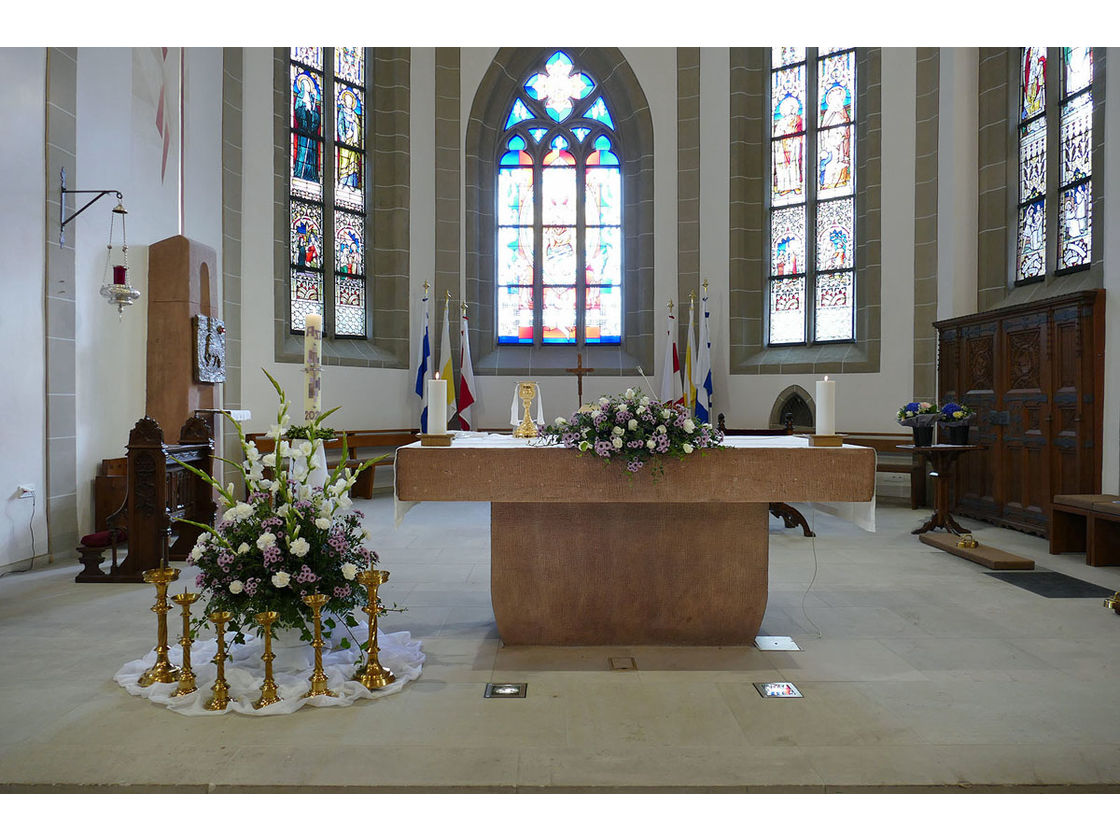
x=811, y=294
x=1067, y=141
x=327, y=189
x=559, y=213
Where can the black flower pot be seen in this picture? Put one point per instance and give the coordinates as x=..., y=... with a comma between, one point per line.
x=958, y=435
x=923, y=435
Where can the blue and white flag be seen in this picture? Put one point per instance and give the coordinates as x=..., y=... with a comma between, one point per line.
x=702, y=369
x=423, y=353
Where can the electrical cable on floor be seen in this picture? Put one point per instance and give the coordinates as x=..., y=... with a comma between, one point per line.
x=813, y=542
x=31, y=528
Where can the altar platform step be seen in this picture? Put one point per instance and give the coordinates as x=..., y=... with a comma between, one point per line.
x=985, y=555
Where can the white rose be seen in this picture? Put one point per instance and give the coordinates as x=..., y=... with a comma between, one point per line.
x=266, y=540
x=236, y=586
x=280, y=579
x=323, y=523
x=661, y=430
x=665, y=413
x=629, y=393
x=348, y=570
x=299, y=547
x=560, y=421
x=650, y=444
x=196, y=552
x=596, y=416
x=632, y=425
x=269, y=460
x=604, y=401
x=645, y=400
x=687, y=447
x=617, y=431
x=689, y=426
x=616, y=442
x=243, y=548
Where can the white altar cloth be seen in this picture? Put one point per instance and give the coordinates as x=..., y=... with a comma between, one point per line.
x=861, y=514
x=245, y=673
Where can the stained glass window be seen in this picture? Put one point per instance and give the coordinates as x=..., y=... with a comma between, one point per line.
x=1055, y=161
x=327, y=185
x=812, y=188
x=559, y=260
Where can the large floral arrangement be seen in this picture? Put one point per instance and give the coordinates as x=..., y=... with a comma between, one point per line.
x=918, y=414
x=290, y=538
x=635, y=429
x=954, y=414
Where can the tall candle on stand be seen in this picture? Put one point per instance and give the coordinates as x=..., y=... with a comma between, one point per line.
x=312, y=348
x=826, y=407
x=437, y=406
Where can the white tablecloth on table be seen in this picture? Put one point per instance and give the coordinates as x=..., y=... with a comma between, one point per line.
x=245, y=672
x=858, y=513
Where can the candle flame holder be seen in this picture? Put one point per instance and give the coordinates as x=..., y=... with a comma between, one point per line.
x=163, y=671
x=374, y=675
x=220, y=697
x=269, y=694
x=186, y=673
x=318, y=676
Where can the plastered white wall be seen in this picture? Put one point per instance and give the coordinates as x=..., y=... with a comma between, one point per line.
x=957, y=203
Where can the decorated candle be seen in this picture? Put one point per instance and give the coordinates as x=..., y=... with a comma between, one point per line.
x=312, y=347
x=826, y=407
x=437, y=406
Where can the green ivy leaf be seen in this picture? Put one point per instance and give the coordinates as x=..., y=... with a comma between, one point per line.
x=344, y=644
x=351, y=621
x=329, y=623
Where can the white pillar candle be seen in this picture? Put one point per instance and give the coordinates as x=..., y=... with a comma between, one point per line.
x=312, y=350
x=437, y=406
x=826, y=407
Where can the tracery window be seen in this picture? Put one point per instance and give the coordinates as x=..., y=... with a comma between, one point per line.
x=1068, y=140
x=811, y=294
x=327, y=189
x=559, y=213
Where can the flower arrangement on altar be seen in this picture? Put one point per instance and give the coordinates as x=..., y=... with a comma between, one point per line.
x=291, y=538
x=918, y=414
x=954, y=414
x=635, y=429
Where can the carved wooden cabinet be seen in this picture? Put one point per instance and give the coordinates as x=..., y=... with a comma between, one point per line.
x=1034, y=374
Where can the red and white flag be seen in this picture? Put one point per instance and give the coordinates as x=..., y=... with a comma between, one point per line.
x=466, y=376
x=670, y=385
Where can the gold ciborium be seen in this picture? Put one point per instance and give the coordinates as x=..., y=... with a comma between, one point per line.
x=163, y=671
x=186, y=674
x=374, y=675
x=318, y=676
x=268, y=687
x=528, y=429
x=220, y=697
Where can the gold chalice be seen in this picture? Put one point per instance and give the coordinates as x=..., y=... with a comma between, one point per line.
x=527, y=429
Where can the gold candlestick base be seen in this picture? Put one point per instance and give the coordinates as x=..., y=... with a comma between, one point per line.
x=163, y=671
x=269, y=694
x=318, y=676
x=527, y=429
x=374, y=675
x=186, y=673
x=219, y=699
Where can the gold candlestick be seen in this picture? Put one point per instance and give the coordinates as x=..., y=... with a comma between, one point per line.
x=268, y=688
x=374, y=674
x=527, y=429
x=318, y=676
x=186, y=674
x=163, y=671
x=220, y=698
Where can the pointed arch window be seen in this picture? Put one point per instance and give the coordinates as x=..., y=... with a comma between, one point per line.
x=327, y=189
x=812, y=195
x=559, y=213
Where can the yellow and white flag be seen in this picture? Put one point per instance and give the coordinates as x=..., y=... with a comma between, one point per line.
x=445, y=371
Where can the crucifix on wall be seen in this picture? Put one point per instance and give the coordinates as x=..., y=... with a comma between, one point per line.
x=579, y=370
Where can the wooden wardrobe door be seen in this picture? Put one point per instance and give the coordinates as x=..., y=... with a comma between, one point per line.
x=979, y=474
x=1024, y=376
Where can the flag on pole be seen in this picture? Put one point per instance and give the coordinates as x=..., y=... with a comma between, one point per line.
x=466, y=375
x=670, y=385
x=690, y=359
x=703, y=378
x=445, y=371
x=423, y=353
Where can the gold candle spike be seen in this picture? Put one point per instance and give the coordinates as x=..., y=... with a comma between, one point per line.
x=186, y=674
x=527, y=429
x=163, y=671
x=318, y=676
x=220, y=698
x=374, y=675
x=268, y=687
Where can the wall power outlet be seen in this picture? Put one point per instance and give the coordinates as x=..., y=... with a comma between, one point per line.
x=26, y=491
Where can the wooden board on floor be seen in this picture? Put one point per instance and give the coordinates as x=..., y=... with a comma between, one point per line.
x=985, y=555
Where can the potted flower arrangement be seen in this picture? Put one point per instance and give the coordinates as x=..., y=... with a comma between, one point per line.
x=634, y=429
x=954, y=418
x=291, y=537
x=921, y=417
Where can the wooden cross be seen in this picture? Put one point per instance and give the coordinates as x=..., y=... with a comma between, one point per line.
x=579, y=370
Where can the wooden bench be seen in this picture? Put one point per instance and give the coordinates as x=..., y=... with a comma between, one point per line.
x=1089, y=523
x=890, y=459
x=357, y=440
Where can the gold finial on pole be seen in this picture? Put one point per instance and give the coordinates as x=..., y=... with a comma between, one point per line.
x=449, y=296
x=691, y=298
x=670, y=306
x=427, y=287
x=463, y=306
x=705, y=287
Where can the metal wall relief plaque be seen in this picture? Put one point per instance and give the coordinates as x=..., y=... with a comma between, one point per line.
x=209, y=349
